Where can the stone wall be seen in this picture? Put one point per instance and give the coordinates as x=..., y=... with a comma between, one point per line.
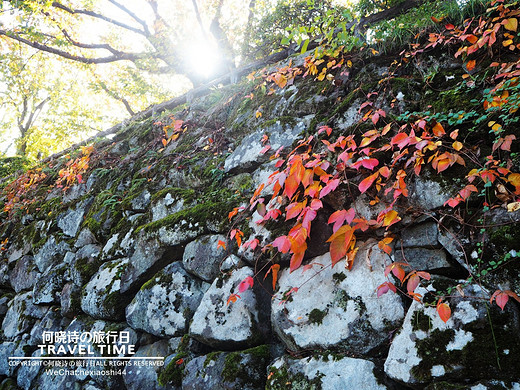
x=135, y=249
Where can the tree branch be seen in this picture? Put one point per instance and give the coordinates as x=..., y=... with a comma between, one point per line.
x=96, y=15
x=120, y=56
x=133, y=16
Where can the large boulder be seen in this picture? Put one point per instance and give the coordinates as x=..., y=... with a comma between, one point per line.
x=326, y=372
x=21, y=315
x=143, y=374
x=165, y=304
x=24, y=274
x=228, y=370
x=50, y=253
x=102, y=297
x=49, y=284
x=478, y=341
x=202, y=257
x=223, y=324
x=337, y=308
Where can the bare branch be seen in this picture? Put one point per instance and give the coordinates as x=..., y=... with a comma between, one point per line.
x=96, y=15
x=120, y=56
x=133, y=16
x=199, y=19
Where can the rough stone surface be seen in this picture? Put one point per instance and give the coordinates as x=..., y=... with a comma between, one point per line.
x=227, y=326
x=70, y=221
x=85, y=237
x=49, y=284
x=166, y=206
x=248, y=153
x=145, y=377
x=21, y=315
x=166, y=303
x=422, y=235
x=51, y=253
x=70, y=300
x=26, y=374
x=202, y=257
x=423, y=259
x=221, y=371
x=427, y=349
x=328, y=372
x=85, y=264
x=142, y=201
x=146, y=259
x=24, y=274
x=346, y=312
x=101, y=296
x=428, y=194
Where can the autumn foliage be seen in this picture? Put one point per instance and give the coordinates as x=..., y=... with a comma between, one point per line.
x=381, y=162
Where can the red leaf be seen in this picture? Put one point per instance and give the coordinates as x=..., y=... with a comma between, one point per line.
x=385, y=287
x=413, y=282
x=444, y=311
x=327, y=129
x=282, y=243
x=506, y=145
x=367, y=183
x=331, y=186
x=501, y=297
x=265, y=149
x=340, y=216
x=449, y=26
x=245, y=284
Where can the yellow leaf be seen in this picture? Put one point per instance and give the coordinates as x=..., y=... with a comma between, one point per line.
x=457, y=145
x=512, y=207
x=507, y=43
x=390, y=218
x=258, y=114
x=349, y=64
x=511, y=24
x=496, y=127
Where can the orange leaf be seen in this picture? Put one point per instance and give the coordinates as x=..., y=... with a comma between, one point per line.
x=340, y=243
x=221, y=244
x=444, y=311
x=233, y=298
x=293, y=210
x=296, y=260
x=438, y=130
x=470, y=65
x=366, y=183
x=291, y=185
x=275, y=268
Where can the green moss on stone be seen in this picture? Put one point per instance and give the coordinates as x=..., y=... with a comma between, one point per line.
x=316, y=316
x=339, y=277
x=282, y=379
